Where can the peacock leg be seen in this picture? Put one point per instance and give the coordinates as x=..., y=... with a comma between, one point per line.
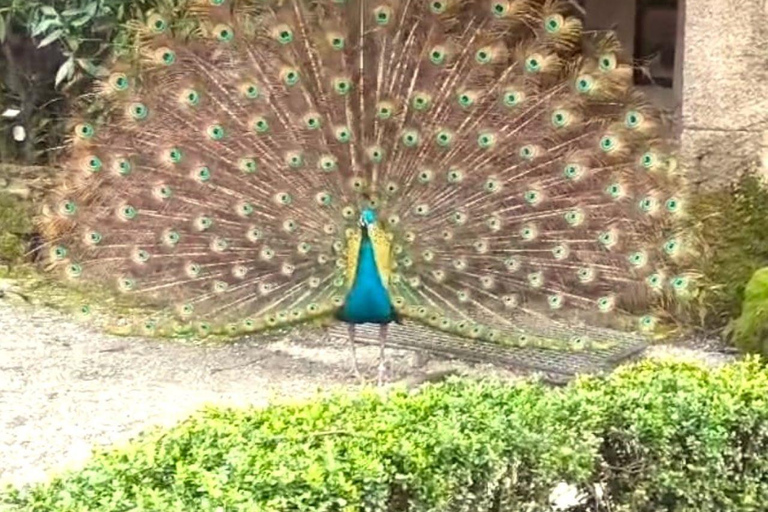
x=383, y=329
x=351, y=330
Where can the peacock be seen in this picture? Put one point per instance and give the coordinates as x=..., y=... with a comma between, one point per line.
x=480, y=167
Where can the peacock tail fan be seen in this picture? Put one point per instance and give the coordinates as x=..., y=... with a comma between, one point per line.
x=519, y=181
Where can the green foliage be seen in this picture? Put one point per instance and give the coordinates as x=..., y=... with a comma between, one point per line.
x=750, y=330
x=730, y=228
x=15, y=224
x=655, y=437
x=52, y=47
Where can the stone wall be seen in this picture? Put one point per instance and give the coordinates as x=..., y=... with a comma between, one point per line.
x=723, y=84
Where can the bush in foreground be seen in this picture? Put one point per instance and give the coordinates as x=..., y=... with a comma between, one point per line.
x=655, y=437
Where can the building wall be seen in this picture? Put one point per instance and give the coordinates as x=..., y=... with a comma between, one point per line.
x=724, y=88
x=719, y=100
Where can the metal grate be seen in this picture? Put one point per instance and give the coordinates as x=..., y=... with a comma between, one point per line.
x=557, y=364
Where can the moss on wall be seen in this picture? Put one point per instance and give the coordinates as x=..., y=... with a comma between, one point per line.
x=15, y=229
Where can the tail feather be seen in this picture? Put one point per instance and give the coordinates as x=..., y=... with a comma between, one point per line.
x=519, y=176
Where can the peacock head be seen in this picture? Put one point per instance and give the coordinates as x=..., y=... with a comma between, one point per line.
x=367, y=218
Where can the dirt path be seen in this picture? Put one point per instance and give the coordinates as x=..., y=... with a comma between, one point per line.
x=64, y=388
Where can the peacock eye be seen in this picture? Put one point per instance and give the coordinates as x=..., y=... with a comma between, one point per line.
x=68, y=208
x=648, y=160
x=248, y=165
x=679, y=283
x=342, y=86
x=260, y=125
x=608, y=62
x=555, y=301
x=533, y=64
x=574, y=217
x=224, y=33
x=119, y=81
x=342, y=134
x=245, y=209
x=93, y=237
x=312, y=121
x=607, y=238
x=168, y=57
x=171, y=237
x=295, y=159
x=94, y=164
x=284, y=34
x=203, y=174
x=647, y=322
x=337, y=43
x=437, y=6
x=467, y=99
x=484, y=55
x=139, y=111
x=573, y=171
x=554, y=23
x=163, y=192
x=638, y=259
x=384, y=110
x=324, y=198
x=605, y=304
x=513, y=98
x=528, y=152
x=85, y=131
x=158, y=24
x=203, y=223
x=455, y=176
x=500, y=9
x=532, y=197
x=633, y=119
x=585, y=84
x=608, y=143
x=328, y=163
x=175, y=155
x=560, y=118
x=410, y=138
x=290, y=76
x=528, y=232
x=486, y=140
x=671, y=247
x=492, y=185
x=383, y=15
x=191, y=97
x=216, y=3
x=215, y=132
x=672, y=205
x=585, y=274
x=437, y=55
x=74, y=270
x=425, y=176
x=123, y=167
x=421, y=101
x=128, y=212
x=444, y=138
x=283, y=198
x=251, y=91
x=376, y=154
x=647, y=204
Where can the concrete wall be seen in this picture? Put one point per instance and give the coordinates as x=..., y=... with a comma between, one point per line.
x=724, y=88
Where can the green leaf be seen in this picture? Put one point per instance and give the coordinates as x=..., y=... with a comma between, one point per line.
x=79, y=22
x=53, y=36
x=72, y=12
x=65, y=71
x=49, y=11
x=44, y=25
x=2, y=29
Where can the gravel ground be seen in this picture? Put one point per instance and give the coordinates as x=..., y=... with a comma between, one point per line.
x=65, y=388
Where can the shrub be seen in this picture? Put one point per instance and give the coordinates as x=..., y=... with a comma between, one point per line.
x=655, y=437
x=750, y=330
x=730, y=230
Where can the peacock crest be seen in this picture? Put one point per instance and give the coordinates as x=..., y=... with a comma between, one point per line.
x=516, y=178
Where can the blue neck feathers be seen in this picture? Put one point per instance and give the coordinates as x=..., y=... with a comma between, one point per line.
x=367, y=301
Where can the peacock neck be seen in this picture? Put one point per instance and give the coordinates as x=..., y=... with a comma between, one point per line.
x=368, y=300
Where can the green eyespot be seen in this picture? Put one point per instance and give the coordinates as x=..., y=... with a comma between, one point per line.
x=438, y=6
x=260, y=125
x=119, y=82
x=283, y=34
x=312, y=121
x=410, y=138
x=384, y=110
x=139, y=111
x=251, y=91
x=157, y=24
x=215, y=132
x=224, y=33
x=248, y=165
x=444, y=138
x=438, y=55
x=203, y=174
x=608, y=143
x=85, y=131
x=608, y=62
x=166, y=56
x=585, y=84
x=175, y=155
x=554, y=23
x=484, y=55
x=342, y=86
x=421, y=101
x=342, y=134
x=533, y=64
x=561, y=118
x=486, y=140
x=191, y=97
x=383, y=15
x=93, y=164
x=633, y=119
x=290, y=76
x=513, y=98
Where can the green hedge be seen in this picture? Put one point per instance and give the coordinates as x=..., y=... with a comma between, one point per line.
x=657, y=437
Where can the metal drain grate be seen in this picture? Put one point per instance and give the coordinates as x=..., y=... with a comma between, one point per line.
x=557, y=364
